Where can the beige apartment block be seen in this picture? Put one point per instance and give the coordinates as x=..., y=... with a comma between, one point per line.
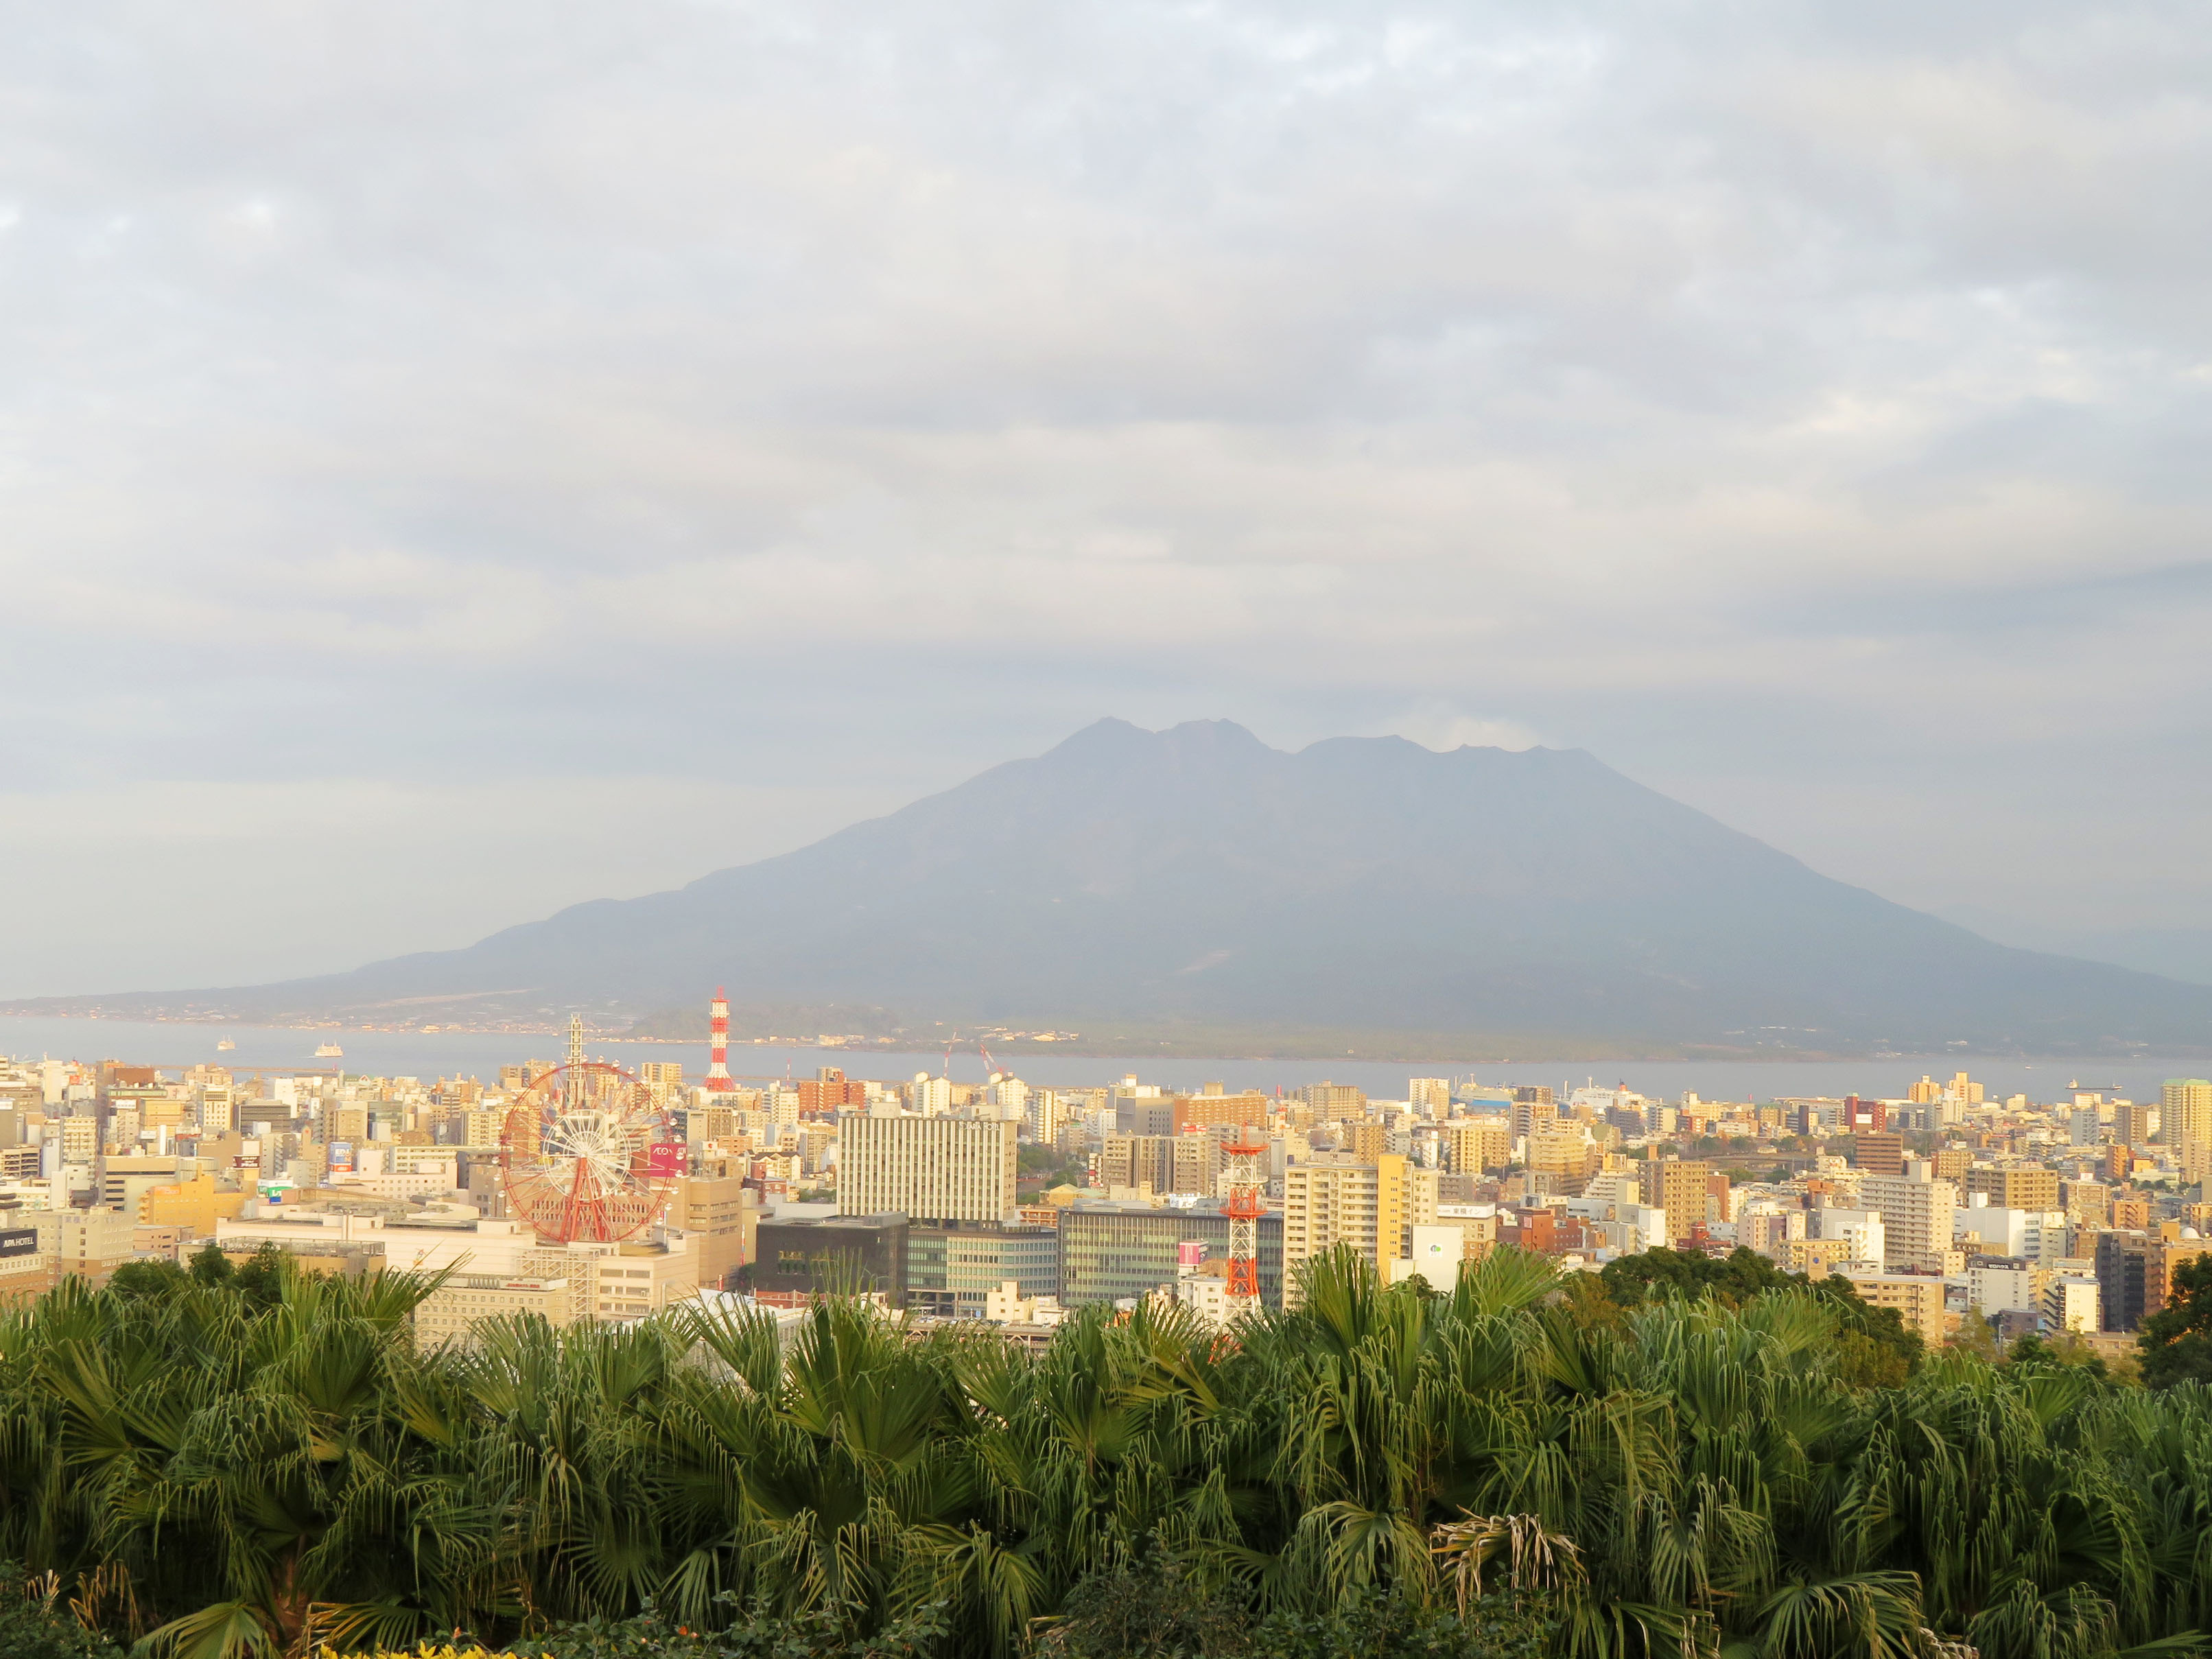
x=1918, y=1299
x=1916, y=1213
x=1564, y=1151
x=636, y=1281
x=90, y=1244
x=1372, y=1206
x=1471, y=1147
x=711, y=1207
x=1682, y=1187
x=2185, y=1120
x=927, y=1168
x=451, y=1313
x=2027, y=1187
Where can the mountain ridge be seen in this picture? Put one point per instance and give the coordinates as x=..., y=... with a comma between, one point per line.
x=1196, y=875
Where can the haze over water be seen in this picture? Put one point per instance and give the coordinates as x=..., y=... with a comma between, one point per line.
x=441, y=1053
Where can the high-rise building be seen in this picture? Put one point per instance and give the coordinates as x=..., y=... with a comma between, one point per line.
x=1372, y=1206
x=1917, y=1213
x=218, y=1109
x=1430, y=1097
x=90, y=1244
x=1682, y=1187
x=1473, y=1144
x=1335, y=1100
x=2130, y=1123
x=1209, y=1111
x=2023, y=1186
x=830, y=1090
x=1134, y=1162
x=929, y=1094
x=1878, y=1154
x=931, y=1169
x=1918, y=1299
x=2185, y=1120
x=2072, y=1303
x=1564, y=1154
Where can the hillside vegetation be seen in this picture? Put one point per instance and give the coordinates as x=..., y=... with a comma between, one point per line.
x=1515, y=1468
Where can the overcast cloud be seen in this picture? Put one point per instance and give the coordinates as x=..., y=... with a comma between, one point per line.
x=457, y=460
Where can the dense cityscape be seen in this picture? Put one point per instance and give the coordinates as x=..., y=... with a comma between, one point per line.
x=1975, y=1219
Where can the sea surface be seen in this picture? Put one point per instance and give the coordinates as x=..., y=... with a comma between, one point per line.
x=460, y=1054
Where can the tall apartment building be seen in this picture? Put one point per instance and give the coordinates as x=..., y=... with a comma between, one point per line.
x=2185, y=1120
x=1917, y=1213
x=1430, y=1097
x=830, y=1090
x=218, y=1109
x=1335, y=1100
x=80, y=1138
x=1208, y=1111
x=2135, y=1274
x=1878, y=1152
x=2024, y=1187
x=1918, y=1299
x=1372, y=1206
x=1682, y=1187
x=2130, y=1123
x=1473, y=1144
x=709, y=1204
x=930, y=1169
x=2072, y=1303
x=1562, y=1151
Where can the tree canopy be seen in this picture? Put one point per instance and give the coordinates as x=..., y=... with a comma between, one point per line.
x=1697, y=1464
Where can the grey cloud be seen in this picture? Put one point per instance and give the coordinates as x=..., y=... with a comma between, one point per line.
x=1783, y=402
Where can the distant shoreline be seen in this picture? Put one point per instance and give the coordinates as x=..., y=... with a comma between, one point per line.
x=1134, y=1043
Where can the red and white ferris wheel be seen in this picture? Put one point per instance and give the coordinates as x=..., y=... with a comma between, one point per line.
x=588, y=1154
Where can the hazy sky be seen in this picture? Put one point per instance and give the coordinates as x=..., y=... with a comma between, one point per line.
x=459, y=460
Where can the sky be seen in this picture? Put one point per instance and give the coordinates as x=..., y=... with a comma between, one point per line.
x=457, y=461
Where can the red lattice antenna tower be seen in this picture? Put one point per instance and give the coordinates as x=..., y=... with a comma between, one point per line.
x=1244, y=1209
x=717, y=1045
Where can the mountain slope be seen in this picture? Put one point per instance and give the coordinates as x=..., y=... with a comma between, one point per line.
x=1197, y=875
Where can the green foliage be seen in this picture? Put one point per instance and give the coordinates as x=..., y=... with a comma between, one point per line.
x=33, y=1626
x=211, y=1267
x=758, y=1632
x=2176, y=1341
x=1158, y=1610
x=258, y=1468
x=149, y=1279
x=1875, y=1347
x=1155, y=1610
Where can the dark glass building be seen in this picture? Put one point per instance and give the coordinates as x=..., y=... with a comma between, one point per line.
x=951, y=1266
x=862, y=1255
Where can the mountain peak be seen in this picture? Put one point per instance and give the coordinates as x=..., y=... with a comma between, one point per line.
x=1359, y=883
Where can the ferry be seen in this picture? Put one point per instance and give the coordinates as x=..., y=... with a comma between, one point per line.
x=226, y=1045
x=329, y=1051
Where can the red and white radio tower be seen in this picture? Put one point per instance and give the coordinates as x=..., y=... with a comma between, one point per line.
x=1244, y=1209
x=718, y=1049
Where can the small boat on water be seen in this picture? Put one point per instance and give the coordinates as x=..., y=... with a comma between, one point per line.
x=329, y=1051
